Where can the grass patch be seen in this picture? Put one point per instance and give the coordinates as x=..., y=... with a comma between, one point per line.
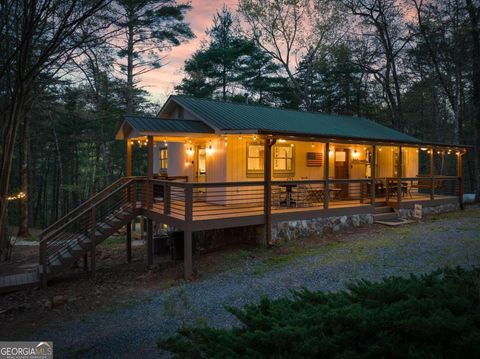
x=113, y=240
x=429, y=316
x=177, y=302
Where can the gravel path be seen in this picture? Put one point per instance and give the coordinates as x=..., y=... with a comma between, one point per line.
x=373, y=254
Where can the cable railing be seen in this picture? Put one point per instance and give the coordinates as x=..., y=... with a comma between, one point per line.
x=420, y=187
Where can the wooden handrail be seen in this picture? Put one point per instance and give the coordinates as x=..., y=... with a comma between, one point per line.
x=78, y=216
x=86, y=203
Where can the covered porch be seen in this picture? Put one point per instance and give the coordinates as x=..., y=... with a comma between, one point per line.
x=220, y=181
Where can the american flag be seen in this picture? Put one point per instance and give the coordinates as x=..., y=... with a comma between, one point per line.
x=314, y=159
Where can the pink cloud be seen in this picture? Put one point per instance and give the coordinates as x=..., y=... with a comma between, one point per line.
x=160, y=83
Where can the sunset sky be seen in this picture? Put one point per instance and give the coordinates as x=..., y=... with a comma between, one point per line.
x=160, y=83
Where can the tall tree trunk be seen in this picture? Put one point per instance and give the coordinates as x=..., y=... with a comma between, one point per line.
x=59, y=202
x=130, y=104
x=24, y=177
x=13, y=120
x=474, y=15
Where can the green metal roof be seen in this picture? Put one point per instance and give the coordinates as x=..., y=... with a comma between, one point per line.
x=156, y=124
x=225, y=116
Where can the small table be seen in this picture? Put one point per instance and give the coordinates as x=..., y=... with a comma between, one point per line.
x=335, y=191
x=393, y=188
x=288, y=188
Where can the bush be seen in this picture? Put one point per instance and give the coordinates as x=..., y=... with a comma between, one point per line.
x=429, y=316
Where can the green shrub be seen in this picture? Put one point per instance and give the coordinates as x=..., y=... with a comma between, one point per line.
x=429, y=316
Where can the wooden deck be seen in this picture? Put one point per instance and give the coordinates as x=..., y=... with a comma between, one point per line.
x=13, y=282
x=207, y=215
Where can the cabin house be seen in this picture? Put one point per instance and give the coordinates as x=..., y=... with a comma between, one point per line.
x=214, y=165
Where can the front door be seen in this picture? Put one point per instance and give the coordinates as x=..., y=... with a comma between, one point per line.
x=201, y=170
x=341, y=171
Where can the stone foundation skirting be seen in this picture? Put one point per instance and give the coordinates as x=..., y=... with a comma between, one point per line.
x=289, y=230
x=407, y=213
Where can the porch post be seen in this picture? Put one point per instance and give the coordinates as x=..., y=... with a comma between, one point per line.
x=149, y=242
x=460, y=178
x=187, y=254
x=128, y=158
x=150, y=172
x=267, y=189
x=373, y=173
x=150, y=157
x=432, y=184
x=399, y=175
x=326, y=175
x=129, y=241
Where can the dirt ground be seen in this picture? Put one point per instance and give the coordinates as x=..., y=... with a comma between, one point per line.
x=118, y=284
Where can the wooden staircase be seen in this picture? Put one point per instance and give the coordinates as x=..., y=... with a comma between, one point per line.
x=384, y=214
x=78, y=233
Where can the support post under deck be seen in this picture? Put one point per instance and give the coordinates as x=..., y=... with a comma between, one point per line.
x=149, y=242
x=187, y=254
x=129, y=241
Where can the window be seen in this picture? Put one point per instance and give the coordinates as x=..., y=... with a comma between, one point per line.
x=163, y=159
x=255, y=159
x=283, y=159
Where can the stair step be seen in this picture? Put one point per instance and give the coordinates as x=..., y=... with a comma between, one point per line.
x=380, y=204
x=385, y=216
x=385, y=209
x=104, y=226
x=81, y=243
x=55, y=263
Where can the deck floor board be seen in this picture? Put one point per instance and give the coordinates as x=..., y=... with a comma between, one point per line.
x=18, y=281
x=207, y=210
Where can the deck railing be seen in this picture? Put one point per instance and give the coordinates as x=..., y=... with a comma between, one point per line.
x=421, y=187
x=195, y=201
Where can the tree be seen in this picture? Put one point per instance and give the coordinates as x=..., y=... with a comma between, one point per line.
x=36, y=37
x=334, y=82
x=473, y=9
x=146, y=29
x=441, y=26
x=215, y=68
x=380, y=48
x=289, y=29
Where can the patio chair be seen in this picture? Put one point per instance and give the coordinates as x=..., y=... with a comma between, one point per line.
x=421, y=183
x=302, y=197
x=277, y=197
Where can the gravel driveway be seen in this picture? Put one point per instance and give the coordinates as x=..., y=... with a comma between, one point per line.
x=132, y=331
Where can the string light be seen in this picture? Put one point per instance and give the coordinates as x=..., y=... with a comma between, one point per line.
x=313, y=145
x=225, y=141
x=209, y=149
x=19, y=195
x=330, y=153
x=165, y=142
